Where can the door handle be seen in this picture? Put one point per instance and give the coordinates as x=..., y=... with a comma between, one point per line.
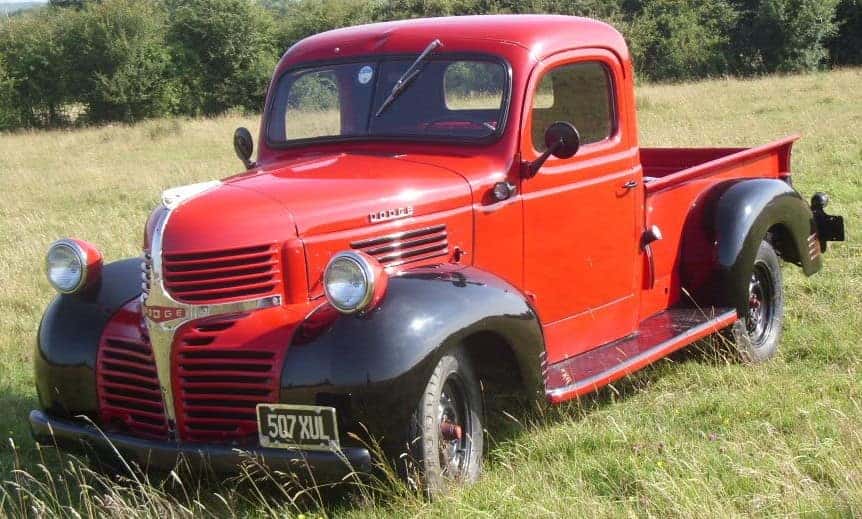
x=631, y=184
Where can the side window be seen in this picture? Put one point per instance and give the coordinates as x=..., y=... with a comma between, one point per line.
x=580, y=93
x=313, y=106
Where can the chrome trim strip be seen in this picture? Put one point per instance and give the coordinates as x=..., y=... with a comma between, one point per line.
x=401, y=257
x=410, y=242
x=161, y=334
x=406, y=246
x=414, y=233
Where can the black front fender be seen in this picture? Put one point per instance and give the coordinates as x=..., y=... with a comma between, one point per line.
x=374, y=367
x=744, y=213
x=68, y=341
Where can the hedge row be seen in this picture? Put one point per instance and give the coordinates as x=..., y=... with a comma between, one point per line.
x=125, y=60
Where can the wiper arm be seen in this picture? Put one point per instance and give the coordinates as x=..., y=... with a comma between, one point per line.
x=407, y=78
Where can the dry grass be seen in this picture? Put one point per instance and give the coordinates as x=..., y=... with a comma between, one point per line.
x=690, y=436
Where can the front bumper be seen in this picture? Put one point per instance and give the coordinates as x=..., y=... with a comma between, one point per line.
x=162, y=455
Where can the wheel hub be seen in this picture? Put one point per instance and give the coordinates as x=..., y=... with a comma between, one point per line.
x=450, y=431
x=454, y=444
x=760, y=296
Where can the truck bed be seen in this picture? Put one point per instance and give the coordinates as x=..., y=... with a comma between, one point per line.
x=664, y=167
x=675, y=179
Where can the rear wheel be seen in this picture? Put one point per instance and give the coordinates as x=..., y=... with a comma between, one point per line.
x=758, y=332
x=447, y=425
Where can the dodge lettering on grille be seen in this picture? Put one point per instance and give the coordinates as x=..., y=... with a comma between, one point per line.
x=161, y=314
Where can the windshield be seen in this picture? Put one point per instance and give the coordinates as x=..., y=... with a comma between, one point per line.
x=462, y=99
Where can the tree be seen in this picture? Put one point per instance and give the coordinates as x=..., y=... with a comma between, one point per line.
x=846, y=47
x=782, y=35
x=681, y=39
x=122, y=63
x=224, y=52
x=9, y=117
x=78, y=4
x=37, y=65
x=306, y=17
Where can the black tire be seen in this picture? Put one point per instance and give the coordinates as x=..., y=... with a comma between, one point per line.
x=447, y=456
x=758, y=332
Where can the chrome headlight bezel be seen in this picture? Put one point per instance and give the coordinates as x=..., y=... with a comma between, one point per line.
x=82, y=258
x=371, y=273
x=88, y=257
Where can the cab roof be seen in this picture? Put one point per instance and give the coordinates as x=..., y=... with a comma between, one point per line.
x=537, y=36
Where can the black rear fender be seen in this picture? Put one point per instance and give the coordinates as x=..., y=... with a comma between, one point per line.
x=726, y=228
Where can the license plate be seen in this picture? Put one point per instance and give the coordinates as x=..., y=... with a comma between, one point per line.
x=285, y=426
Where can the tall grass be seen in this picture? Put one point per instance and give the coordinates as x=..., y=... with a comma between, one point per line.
x=693, y=435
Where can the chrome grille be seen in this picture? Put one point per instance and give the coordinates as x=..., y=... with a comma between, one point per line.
x=406, y=246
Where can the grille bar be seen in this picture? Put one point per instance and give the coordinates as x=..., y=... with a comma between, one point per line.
x=407, y=246
x=213, y=255
x=222, y=275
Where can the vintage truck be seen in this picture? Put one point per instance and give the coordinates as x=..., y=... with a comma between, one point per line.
x=438, y=208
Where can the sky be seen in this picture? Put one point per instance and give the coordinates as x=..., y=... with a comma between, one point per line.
x=20, y=1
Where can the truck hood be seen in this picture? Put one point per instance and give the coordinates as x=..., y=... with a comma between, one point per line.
x=340, y=191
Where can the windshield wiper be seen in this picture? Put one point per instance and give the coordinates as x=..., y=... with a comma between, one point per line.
x=407, y=78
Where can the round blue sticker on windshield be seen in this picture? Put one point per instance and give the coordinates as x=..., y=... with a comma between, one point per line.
x=365, y=74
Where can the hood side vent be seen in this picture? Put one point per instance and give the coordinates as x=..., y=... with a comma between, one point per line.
x=407, y=246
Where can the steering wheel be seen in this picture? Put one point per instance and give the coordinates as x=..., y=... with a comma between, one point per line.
x=459, y=118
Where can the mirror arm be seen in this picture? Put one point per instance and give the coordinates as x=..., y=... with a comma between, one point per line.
x=534, y=166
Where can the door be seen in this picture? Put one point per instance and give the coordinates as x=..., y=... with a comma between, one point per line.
x=580, y=222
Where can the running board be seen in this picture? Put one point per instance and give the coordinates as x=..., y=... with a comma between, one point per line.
x=657, y=337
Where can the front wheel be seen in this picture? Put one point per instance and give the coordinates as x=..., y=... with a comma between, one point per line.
x=446, y=430
x=758, y=331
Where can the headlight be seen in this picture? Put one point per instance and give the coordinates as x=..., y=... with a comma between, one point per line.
x=72, y=265
x=353, y=281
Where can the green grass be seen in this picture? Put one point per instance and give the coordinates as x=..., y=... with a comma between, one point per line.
x=690, y=436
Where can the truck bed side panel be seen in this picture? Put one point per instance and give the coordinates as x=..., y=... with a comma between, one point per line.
x=677, y=197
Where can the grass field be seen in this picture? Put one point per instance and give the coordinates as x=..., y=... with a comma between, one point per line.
x=690, y=436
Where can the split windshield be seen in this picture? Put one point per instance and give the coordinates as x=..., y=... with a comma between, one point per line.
x=462, y=99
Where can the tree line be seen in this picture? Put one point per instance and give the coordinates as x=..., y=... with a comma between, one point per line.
x=88, y=61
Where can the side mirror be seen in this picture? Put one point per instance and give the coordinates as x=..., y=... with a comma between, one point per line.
x=243, y=144
x=562, y=140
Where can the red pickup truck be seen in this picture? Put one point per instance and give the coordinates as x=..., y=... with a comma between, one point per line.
x=438, y=208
